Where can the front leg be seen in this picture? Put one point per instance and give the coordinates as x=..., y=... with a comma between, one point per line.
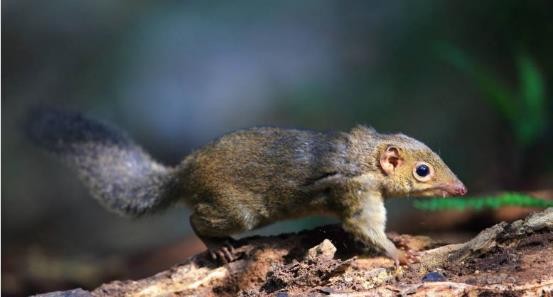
x=365, y=219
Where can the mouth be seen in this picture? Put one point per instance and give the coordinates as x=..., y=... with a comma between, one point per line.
x=444, y=190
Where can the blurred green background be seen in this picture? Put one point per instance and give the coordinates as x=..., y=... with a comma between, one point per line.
x=471, y=79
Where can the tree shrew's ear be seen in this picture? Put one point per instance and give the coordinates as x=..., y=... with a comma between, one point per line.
x=390, y=159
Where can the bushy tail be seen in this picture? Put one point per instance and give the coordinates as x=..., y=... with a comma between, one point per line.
x=117, y=172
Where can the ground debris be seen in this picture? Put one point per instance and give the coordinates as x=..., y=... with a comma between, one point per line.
x=503, y=260
x=314, y=270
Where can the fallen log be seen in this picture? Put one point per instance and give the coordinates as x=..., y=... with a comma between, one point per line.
x=506, y=259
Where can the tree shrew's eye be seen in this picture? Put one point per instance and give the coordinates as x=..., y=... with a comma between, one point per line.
x=422, y=170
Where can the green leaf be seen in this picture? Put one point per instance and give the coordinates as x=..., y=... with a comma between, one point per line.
x=480, y=203
x=494, y=91
x=532, y=119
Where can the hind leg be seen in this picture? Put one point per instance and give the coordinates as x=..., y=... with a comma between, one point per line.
x=214, y=228
x=219, y=248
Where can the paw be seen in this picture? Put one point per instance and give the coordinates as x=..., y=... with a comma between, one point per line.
x=224, y=253
x=409, y=256
x=405, y=254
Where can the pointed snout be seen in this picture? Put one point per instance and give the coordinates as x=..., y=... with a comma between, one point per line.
x=457, y=188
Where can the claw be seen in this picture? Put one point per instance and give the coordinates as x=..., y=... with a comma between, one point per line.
x=397, y=263
x=227, y=254
x=224, y=253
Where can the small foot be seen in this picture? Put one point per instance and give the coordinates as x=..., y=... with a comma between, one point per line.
x=407, y=255
x=222, y=252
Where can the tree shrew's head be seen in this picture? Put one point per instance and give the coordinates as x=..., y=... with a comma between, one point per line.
x=410, y=168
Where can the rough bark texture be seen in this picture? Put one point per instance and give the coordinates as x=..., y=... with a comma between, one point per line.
x=504, y=260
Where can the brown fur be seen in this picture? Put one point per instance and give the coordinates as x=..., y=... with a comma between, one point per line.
x=251, y=178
